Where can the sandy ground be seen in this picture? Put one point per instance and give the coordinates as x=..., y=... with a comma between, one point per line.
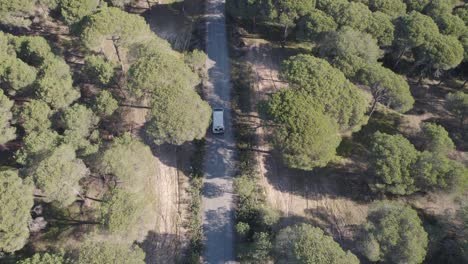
x=333, y=199
x=167, y=240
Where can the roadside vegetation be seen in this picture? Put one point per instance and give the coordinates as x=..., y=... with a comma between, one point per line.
x=357, y=72
x=79, y=185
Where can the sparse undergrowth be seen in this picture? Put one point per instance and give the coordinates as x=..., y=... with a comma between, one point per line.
x=195, y=225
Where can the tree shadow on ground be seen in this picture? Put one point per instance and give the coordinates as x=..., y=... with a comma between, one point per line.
x=161, y=248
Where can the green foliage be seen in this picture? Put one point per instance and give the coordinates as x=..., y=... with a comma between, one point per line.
x=306, y=137
x=332, y=7
x=16, y=198
x=305, y=244
x=438, y=7
x=381, y=28
x=247, y=9
x=105, y=104
x=451, y=25
x=129, y=160
x=394, y=234
x=123, y=211
x=462, y=13
x=242, y=229
x=99, y=70
x=35, y=145
x=16, y=12
x=436, y=139
x=7, y=132
x=414, y=29
x=177, y=116
x=35, y=116
x=354, y=15
x=78, y=121
x=109, y=252
x=196, y=60
x=464, y=42
x=441, y=52
x=393, y=158
x=327, y=88
x=417, y=5
x=387, y=87
x=457, y=103
x=348, y=43
x=435, y=170
x=58, y=175
x=16, y=74
x=258, y=250
x=114, y=24
x=45, y=258
x=33, y=50
x=314, y=25
x=287, y=12
x=74, y=10
x=55, y=84
x=252, y=211
x=160, y=72
x=393, y=8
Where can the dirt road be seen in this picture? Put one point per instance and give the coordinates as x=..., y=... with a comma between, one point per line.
x=219, y=167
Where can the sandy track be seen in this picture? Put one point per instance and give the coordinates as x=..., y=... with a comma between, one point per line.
x=167, y=240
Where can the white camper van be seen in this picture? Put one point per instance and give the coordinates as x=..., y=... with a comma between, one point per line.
x=218, y=121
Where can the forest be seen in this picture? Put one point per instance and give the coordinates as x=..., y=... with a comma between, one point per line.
x=360, y=94
x=350, y=121
x=77, y=181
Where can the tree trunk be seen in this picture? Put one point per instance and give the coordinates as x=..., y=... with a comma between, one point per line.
x=285, y=33
x=254, y=23
x=373, y=107
x=463, y=85
x=399, y=57
x=116, y=47
x=136, y=106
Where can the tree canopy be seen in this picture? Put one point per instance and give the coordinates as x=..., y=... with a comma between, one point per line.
x=393, y=158
x=99, y=70
x=45, y=258
x=457, y=103
x=58, y=175
x=7, y=132
x=129, y=160
x=441, y=52
x=382, y=28
x=329, y=90
x=16, y=12
x=109, y=252
x=305, y=244
x=177, y=117
x=105, y=104
x=306, y=137
x=74, y=10
x=414, y=29
x=115, y=25
x=124, y=211
x=354, y=47
x=392, y=8
x=315, y=24
x=394, y=234
x=386, y=87
x=16, y=198
x=436, y=138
